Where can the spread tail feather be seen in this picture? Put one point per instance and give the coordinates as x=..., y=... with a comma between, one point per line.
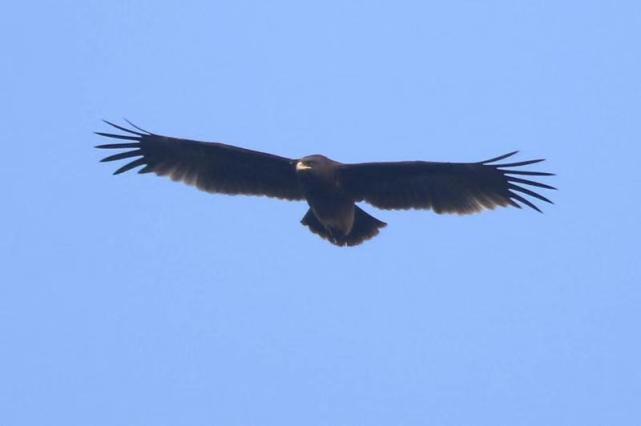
x=365, y=227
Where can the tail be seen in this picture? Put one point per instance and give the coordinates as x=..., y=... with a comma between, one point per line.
x=365, y=227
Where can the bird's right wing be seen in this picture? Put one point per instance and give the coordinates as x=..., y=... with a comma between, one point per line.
x=461, y=188
x=212, y=167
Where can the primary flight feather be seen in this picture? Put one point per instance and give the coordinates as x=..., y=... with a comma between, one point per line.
x=331, y=188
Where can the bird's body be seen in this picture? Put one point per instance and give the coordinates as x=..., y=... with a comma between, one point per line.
x=333, y=208
x=331, y=189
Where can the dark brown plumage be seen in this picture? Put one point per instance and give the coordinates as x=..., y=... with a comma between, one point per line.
x=331, y=188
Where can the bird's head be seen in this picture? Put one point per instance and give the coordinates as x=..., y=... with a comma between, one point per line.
x=313, y=163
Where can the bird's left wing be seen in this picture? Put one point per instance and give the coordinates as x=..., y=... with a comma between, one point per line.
x=212, y=167
x=461, y=188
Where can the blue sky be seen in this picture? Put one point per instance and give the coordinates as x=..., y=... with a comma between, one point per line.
x=132, y=300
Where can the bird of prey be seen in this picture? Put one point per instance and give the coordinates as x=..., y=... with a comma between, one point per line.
x=330, y=188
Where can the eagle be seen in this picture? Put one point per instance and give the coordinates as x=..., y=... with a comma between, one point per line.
x=330, y=188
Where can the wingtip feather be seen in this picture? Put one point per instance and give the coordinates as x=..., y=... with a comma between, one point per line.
x=117, y=146
x=129, y=166
x=529, y=192
x=115, y=136
x=525, y=201
x=124, y=129
x=500, y=157
x=138, y=128
x=520, y=163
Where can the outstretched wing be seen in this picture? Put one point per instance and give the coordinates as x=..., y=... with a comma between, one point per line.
x=461, y=188
x=211, y=167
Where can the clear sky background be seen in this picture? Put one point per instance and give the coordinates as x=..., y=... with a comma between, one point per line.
x=132, y=300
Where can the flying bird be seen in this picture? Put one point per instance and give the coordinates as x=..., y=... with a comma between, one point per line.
x=331, y=189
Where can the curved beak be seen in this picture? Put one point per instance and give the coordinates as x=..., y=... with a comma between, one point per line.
x=301, y=166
